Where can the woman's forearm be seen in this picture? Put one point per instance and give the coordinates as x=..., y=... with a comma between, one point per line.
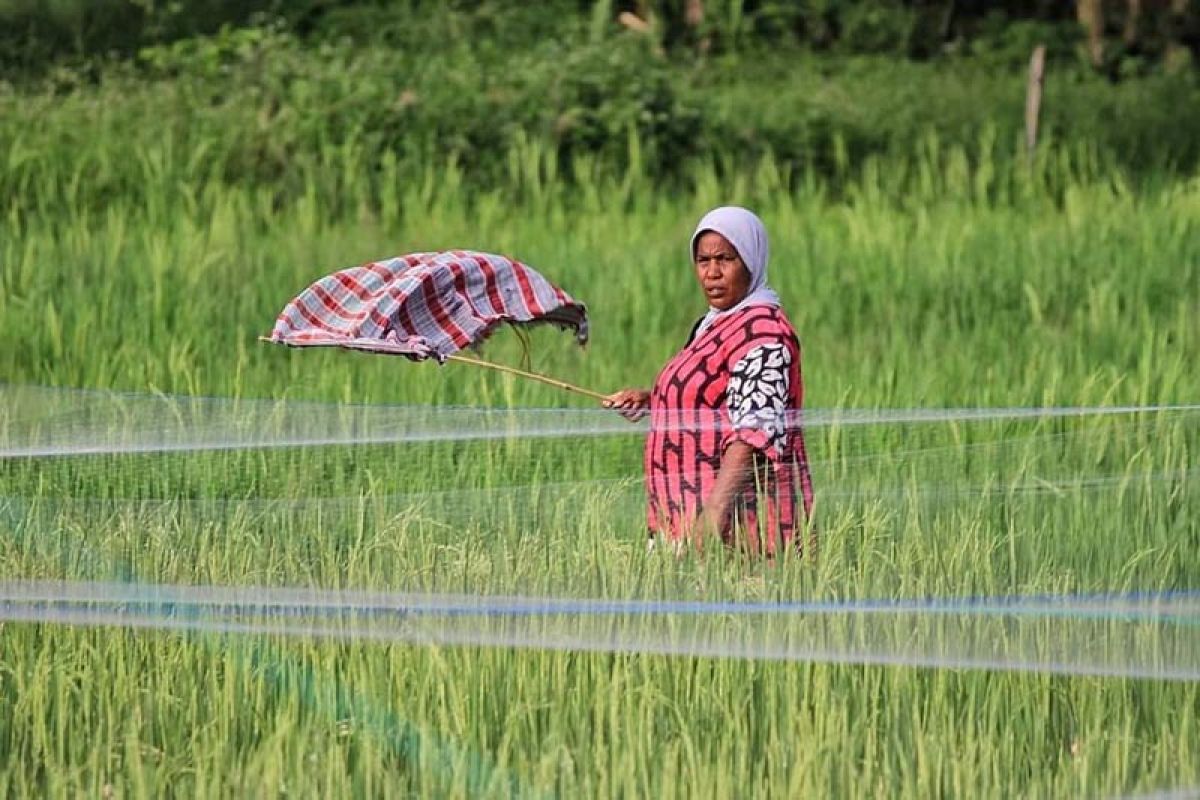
x=735, y=473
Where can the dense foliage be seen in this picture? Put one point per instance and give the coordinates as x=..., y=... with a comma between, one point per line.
x=34, y=32
x=394, y=85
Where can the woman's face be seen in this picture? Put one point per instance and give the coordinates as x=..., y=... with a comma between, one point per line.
x=722, y=275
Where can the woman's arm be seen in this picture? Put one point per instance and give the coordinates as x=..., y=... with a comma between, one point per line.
x=735, y=473
x=757, y=400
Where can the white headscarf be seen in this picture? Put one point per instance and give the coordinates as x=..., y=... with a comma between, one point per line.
x=746, y=232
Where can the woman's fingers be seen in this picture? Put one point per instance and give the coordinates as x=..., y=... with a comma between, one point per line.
x=629, y=403
x=615, y=399
x=626, y=398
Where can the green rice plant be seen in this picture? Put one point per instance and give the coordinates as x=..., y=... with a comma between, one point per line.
x=945, y=276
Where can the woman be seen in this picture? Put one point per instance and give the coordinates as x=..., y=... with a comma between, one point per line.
x=725, y=453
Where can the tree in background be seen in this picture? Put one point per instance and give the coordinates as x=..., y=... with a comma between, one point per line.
x=1164, y=27
x=1152, y=30
x=1116, y=33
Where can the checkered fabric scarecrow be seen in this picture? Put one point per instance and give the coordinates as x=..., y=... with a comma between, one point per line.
x=425, y=305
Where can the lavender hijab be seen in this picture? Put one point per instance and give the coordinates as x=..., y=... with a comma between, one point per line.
x=745, y=231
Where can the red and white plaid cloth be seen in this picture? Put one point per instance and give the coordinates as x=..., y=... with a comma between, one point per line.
x=425, y=305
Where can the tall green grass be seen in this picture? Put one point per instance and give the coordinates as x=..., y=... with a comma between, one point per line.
x=943, y=276
x=937, y=279
x=146, y=713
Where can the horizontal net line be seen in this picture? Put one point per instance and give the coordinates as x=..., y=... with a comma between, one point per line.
x=1162, y=605
x=1143, y=635
x=39, y=422
x=556, y=492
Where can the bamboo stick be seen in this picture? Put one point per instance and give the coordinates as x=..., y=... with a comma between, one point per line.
x=570, y=387
x=555, y=382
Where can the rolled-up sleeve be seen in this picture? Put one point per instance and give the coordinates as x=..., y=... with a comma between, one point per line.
x=759, y=386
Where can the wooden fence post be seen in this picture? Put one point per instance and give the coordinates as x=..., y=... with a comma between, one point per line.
x=1033, y=97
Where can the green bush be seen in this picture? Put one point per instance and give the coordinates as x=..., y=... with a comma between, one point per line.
x=880, y=27
x=266, y=106
x=38, y=33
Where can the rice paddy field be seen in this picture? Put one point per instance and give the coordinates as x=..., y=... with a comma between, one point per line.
x=241, y=518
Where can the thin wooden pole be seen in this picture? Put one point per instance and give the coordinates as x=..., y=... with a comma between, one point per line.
x=570, y=387
x=555, y=382
x=1033, y=97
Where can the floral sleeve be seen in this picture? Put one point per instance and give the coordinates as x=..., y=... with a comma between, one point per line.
x=757, y=396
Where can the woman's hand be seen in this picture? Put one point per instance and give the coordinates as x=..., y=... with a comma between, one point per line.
x=632, y=404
